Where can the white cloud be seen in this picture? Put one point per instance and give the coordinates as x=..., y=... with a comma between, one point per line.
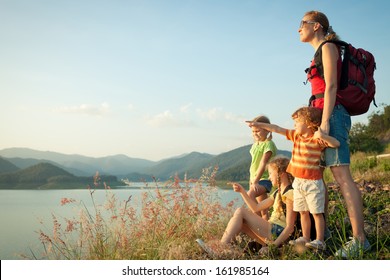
x=234, y=118
x=161, y=119
x=185, y=108
x=183, y=118
x=86, y=109
x=168, y=119
x=211, y=114
x=215, y=114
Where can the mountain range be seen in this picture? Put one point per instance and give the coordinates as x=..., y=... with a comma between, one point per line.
x=232, y=165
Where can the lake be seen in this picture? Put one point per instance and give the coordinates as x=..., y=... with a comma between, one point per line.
x=22, y=211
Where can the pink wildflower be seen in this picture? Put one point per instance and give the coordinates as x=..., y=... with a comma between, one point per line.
x=65, y=200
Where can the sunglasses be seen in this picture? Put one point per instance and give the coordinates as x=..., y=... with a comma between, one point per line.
x=303, y=22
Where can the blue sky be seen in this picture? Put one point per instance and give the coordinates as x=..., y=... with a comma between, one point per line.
x=155, y=79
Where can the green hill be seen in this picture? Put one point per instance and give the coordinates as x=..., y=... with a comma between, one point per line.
x=34, y=173
x=34, y=177
x=48, y=176
x=189, y=164
x=6, y=166
x=232, y=165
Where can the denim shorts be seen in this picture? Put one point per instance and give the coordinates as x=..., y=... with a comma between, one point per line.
x=340, y=125
x=267, y=184
x=276, y=230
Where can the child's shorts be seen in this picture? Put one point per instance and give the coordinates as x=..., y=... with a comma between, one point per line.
x=309, y=195
x=276, y=230
x=267, y=184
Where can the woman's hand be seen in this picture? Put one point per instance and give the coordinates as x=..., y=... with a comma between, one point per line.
x=319, y=134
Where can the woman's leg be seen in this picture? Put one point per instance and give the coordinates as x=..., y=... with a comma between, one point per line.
x=352, y=198
x=244, y=220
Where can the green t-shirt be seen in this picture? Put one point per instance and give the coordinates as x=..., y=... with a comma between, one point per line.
x=257, y=151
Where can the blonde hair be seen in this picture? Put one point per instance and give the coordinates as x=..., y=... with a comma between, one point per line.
x=321, y=18
x=263, y=119
x=279, y=164
x=309, y=115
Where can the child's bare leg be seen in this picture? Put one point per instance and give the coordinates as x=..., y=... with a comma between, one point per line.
x=236, y=225
x=252, y=194
x=258, y=195
x=320, y=226
x=305, y=224
x=264, y=213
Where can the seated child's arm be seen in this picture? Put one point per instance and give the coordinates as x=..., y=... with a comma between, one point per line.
x=253, y=206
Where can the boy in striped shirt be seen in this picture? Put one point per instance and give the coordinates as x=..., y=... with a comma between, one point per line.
x=309, y=189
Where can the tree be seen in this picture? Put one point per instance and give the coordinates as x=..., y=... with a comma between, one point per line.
x=379, y=122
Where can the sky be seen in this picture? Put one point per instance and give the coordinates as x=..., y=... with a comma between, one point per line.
x=157, y=79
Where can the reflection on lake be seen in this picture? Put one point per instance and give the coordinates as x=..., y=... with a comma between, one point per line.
x=22, y=211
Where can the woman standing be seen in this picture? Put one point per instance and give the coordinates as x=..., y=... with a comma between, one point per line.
x=315, y=29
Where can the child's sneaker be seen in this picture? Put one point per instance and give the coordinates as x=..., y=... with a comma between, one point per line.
x=353, y=248
x=206, y=248
x=299, y=241
x=316, y=245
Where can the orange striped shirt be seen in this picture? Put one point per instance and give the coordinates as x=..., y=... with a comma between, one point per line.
x=306, y=155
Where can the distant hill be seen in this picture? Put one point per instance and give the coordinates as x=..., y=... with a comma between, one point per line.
x=48, y=176
x=77, y=164
x=189, y=164
x=6, y=166
x=41, y=172
x=34, y=176
x=232, y=165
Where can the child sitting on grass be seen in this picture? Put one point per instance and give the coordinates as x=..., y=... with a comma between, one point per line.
x=272, y=232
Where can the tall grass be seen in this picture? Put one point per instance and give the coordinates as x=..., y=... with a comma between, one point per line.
x=170, y=216
x=163, y=225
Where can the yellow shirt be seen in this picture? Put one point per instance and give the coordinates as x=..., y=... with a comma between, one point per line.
x=279, y=217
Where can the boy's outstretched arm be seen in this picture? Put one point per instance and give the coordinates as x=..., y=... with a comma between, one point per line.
x=269, y=127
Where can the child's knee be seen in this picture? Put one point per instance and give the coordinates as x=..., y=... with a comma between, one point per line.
x=239, y=212
x=304, y=214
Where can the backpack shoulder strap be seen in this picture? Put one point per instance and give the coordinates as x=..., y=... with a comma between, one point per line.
x=344, y=69
x=318, y=59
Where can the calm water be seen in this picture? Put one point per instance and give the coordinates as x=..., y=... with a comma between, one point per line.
x=22, y=211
